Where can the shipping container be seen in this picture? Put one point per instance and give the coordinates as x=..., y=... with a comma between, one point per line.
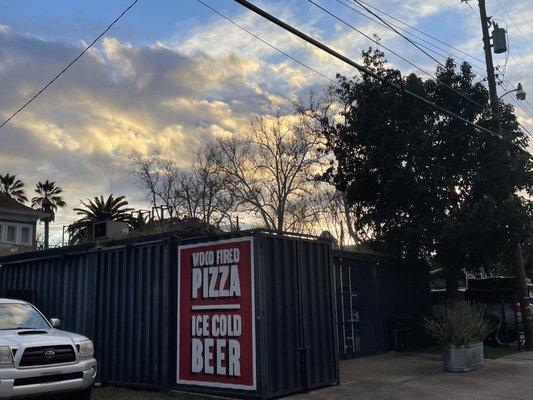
x=380, y=303
x=249, y=314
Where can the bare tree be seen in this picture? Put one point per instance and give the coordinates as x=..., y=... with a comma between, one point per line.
x=337, y=217
x=186, y=192
x=156, y=176
x=270, y=171
x=200, y=193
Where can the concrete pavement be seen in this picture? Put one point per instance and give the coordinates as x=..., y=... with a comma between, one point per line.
x=419, y=376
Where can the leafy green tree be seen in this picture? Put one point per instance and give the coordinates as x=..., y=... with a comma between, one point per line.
x=428, y=186
x=13, y=187
x=48, y=200
x=99, y=210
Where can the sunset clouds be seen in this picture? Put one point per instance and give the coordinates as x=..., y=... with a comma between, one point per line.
x=176, y=90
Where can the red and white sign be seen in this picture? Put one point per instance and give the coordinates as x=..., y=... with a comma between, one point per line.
x=216, y=314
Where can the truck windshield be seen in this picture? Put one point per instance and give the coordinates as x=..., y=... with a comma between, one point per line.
x=21, y=316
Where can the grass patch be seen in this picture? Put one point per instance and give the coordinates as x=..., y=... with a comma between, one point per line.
x=114, y=393
x=497, y=352
x=491, y=352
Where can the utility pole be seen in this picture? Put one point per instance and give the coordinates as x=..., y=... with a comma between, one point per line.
x=491, y=77
x=521, y=283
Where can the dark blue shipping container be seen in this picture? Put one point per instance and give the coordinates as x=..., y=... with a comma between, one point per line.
x=380, y=302
x=124, y=296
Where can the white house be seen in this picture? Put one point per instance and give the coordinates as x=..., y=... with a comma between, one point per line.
x=17, y=226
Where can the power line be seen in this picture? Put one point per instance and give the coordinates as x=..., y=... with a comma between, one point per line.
x=413, y=43
x=267, y=43
x=391, y=27
x=69, y=64
x=413, y=35
x=471, y=8
x=521, y=14
x=274, y=47
x=359, y=67
x=526, y=130
x=526, y=41
x=397, y=54
x=422, y=32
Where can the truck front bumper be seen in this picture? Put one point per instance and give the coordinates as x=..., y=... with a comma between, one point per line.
x=16, y=383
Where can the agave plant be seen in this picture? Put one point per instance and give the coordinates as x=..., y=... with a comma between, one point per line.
x=460, y=323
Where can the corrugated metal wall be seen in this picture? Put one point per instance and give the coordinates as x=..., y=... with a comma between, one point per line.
x=118, y=297
x=125, y=299
x=378, y=301
x=133, y=288
x=299, y=329
x=62, y=287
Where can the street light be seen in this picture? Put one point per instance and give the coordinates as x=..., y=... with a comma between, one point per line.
x=520, y=92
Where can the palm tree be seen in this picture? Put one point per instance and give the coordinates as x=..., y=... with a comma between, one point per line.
x=48, y=199
x=98, y=210
x=13, y=187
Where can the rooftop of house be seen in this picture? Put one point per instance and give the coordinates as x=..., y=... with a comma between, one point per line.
x=10, y=205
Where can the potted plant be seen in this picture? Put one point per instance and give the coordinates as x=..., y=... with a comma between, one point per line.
x=460, y=327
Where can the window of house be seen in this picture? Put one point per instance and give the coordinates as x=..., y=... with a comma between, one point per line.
x=11, y=234
x=25, y=235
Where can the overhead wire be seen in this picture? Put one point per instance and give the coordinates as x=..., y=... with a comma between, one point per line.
x=367, y=9
x=408, y=39
x=362, y=5
x=421, y=39
x=522, y=15
x=525, y=40
x=372, y=13
x=358, y=66
x=422, y=32
x=266, y=43
x=70, y=64
x=395, y=53
x=364, y=70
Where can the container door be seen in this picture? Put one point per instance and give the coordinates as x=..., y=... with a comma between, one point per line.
x=319, y=357
x=300, y=333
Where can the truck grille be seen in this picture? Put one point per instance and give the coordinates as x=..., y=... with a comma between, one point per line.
x=35, y=356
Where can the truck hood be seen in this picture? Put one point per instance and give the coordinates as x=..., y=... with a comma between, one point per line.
x=45, y=337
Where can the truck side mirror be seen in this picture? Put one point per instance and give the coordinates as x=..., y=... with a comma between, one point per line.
x=56, y=323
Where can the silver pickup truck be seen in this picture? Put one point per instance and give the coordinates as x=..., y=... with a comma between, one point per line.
x=37, y=359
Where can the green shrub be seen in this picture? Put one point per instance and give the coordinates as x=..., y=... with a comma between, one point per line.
x=459, y=323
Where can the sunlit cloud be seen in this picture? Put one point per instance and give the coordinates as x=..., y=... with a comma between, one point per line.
x=187, y=87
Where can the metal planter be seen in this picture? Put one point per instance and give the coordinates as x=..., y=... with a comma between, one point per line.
x=463, y=359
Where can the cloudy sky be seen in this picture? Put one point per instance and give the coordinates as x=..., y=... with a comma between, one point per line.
x=172, y=74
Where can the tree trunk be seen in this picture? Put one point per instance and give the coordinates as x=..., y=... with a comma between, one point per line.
x=46, y=232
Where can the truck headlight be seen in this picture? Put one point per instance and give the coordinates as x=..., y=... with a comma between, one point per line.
x=86, y=348
x=6, y=357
